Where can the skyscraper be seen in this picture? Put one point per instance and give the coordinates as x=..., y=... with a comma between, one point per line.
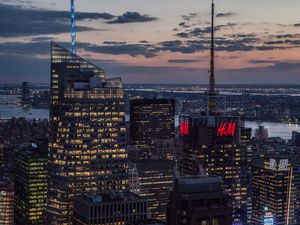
x=152, y=122
x=213, y=144
x=87, y=133
x=25, y=94
x=31, y=186
x=199, y=200
x=275, y=190
x=156, y=180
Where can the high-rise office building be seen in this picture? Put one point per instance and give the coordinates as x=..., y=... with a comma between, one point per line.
x=31, y=186
x=247, y=155
x=6, y=201
x=113, y=208
x=199, y=200
x=87, y=133
x=275, y=191
x=152, y=121
x=156, y=180
x=213, y=145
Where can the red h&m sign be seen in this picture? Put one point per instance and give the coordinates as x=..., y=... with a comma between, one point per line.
x=184, y=128
x=226, y=129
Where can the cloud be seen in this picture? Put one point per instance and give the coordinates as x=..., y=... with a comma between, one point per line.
x=183, y=35
x=39, y=39
x=202, y=31
x=16, y=21
x=260, y=61
x=184, y=24
x=227, y=14
x=132, y=17
x=114, y=43
x=278, y=65
x=190, y=16
x=133, y=50
x=27, y=66
x=183, y=60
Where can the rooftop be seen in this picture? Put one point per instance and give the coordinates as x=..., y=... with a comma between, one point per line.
x=198, y=184
x=112, y=196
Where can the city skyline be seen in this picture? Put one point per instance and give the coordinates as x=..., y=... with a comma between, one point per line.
x=102, y=144
x=165, y=44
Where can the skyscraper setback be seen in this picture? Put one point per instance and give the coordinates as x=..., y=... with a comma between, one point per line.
x=87, y=133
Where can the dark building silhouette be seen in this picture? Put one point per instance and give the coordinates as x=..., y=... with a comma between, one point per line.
x=87, y=133
x=146, y=222
x=31, y=186
x=275, y=190
x=2, y=149
x=113, y=208
x=296, y=138
x=198, y=200
x=25, y=94
x=151, y=123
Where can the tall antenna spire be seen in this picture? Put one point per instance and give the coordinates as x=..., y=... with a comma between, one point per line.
x=212, y=108
x=73, y=31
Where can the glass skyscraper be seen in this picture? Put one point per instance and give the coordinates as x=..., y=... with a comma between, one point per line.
x=30, y=186
x=87, y=133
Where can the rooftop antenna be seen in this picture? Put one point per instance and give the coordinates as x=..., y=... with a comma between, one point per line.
x=212, y=83
x=73, y=25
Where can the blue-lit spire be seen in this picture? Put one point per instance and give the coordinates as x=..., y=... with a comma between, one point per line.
x=73, y=31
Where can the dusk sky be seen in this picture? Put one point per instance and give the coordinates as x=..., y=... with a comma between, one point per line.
x=155, y=41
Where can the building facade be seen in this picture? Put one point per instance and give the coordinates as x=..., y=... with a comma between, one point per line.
x=87, y=133
x=198, y=200
x=6, y=201
x=31, y=186
x=156, y=180
x=133, y=179
x=214, y=145
x=152, y=121
x=275, y=190
x=113, y=208
x=146, y=222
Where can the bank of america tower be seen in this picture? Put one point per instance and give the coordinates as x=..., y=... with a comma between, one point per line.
x=87, y=133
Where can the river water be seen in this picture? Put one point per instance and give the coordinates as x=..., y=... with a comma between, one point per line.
x=9, y=108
